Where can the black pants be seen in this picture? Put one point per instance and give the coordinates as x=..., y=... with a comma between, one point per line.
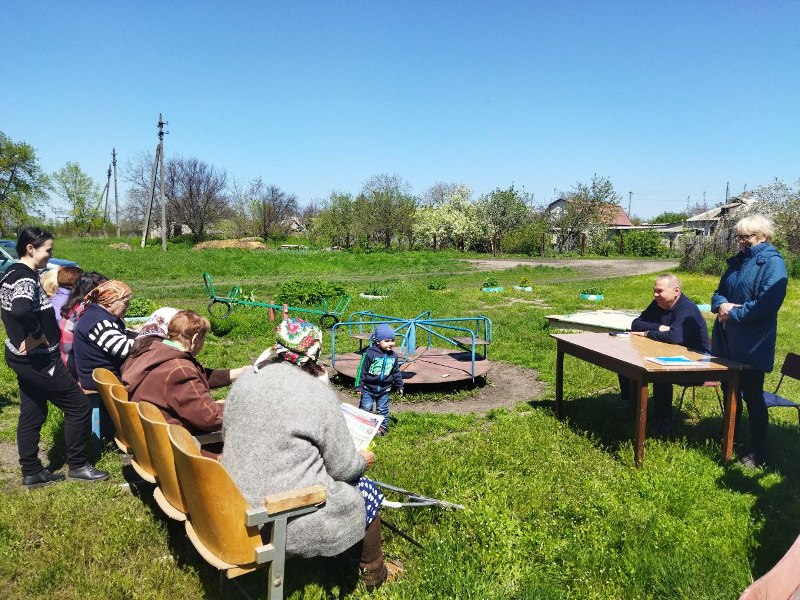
x=751, y=390
x=43, y=378
x=662, y=398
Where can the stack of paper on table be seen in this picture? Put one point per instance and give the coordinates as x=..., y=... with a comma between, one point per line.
x=676, y=361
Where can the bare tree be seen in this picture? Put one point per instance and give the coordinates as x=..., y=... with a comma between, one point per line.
x=196, y=193
x=271, y=208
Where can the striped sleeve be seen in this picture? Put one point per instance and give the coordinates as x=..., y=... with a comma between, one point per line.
x=111, y=340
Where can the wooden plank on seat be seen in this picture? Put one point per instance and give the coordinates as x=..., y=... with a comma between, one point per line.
x=307, y=496
x=465, y=341
x=361, y=336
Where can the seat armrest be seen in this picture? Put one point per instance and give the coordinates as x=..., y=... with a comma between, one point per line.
x=291, y=503
x=299, y=498
x=209, y=438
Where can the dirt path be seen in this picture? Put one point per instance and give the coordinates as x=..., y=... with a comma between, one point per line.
x=507, y=385
x=588, y=269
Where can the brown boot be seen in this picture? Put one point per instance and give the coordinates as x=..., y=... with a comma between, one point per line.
x=384, y=573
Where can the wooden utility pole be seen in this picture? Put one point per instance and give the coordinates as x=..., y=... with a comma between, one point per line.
x=158, y=165
x=727, y=191
x=161, y=124
x=116, y=193
x=146, y=230
x=630, y=197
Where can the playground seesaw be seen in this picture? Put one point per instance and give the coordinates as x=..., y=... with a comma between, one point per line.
x=222, y=306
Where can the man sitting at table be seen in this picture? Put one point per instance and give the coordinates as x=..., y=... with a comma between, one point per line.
x=672, y=318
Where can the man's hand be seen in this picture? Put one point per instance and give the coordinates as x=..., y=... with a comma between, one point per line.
x=639, y=333
x=663, y=328
x=369, y=456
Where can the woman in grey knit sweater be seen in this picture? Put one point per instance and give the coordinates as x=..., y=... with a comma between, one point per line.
x=283, y=429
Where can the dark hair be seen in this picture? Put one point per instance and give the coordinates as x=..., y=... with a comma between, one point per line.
x=33, y=236
x=68, y=276
x=85, y=284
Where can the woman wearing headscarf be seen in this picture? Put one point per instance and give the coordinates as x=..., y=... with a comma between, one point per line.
x=284, y=429
x=166, y=372
x=101, y=340
x=747, y=300
x=31, y=351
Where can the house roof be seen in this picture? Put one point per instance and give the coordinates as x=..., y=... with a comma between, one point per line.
x=719, y=212
x=614, y=217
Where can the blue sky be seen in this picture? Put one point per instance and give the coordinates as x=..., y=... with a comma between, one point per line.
x=668, y=99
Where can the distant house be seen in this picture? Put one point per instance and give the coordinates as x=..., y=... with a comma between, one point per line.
x=294, y=225
x=708, y=222
x=613, y=217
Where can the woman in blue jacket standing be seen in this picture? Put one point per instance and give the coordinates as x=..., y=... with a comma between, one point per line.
x=746, y=302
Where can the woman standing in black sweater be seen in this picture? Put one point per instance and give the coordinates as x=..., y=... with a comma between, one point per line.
x=31, y=351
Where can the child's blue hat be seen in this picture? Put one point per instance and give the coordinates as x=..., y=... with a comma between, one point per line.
x=384, y=332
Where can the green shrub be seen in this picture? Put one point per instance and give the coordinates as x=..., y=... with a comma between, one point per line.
x=378, y=290
x=490, y=281
x=141, y=307
x=221, y=327
x=593, y=290
x=437, y=283
x=307, y=293
x=644, y=242
x=793, y=266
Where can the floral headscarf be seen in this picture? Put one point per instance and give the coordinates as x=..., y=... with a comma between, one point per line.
x=158, y=323
x=298, y=342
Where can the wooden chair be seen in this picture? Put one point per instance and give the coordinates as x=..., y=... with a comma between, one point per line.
x=790, y=368
x=131, y=426
x=168, y=494
x=781, y=582
x=104, y=379
x=223, y=528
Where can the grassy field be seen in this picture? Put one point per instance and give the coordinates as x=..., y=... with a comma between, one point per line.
x=553, y=509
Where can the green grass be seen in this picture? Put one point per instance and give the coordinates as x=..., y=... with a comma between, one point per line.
x=553, y=509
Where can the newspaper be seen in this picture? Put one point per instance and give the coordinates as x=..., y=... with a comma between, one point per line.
x=362, y=425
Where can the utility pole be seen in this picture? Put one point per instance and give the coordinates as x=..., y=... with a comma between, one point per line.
x=727, y=191
x=158, y=164
x=161, y=132
x=630, y=197
x=116, y=193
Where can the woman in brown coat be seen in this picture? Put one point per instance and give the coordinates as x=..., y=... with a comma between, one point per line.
x=168, y=375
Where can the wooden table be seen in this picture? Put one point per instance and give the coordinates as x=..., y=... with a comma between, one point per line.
x=625, y=355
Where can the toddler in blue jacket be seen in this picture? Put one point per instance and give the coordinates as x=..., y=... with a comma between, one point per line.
x=378, y=371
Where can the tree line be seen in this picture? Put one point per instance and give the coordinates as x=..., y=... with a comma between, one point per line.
x=385, y=213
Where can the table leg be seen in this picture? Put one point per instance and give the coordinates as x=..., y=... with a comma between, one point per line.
x=729, y=418
x=641, y=423
x=560, y=384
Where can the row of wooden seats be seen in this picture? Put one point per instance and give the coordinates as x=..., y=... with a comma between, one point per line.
x=199, y=491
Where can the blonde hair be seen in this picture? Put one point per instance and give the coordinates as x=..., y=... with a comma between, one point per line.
x=755, y=224
x=49, y=280
x=185, y=325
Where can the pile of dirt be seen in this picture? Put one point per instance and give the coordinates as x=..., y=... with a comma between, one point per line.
x=120, y=246
x=244, y=244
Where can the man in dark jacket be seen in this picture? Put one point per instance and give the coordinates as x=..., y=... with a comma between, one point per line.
x=674, y=319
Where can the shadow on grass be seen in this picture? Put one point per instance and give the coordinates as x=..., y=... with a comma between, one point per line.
x=337, y=576
x=776, y=489
x=603, y=420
